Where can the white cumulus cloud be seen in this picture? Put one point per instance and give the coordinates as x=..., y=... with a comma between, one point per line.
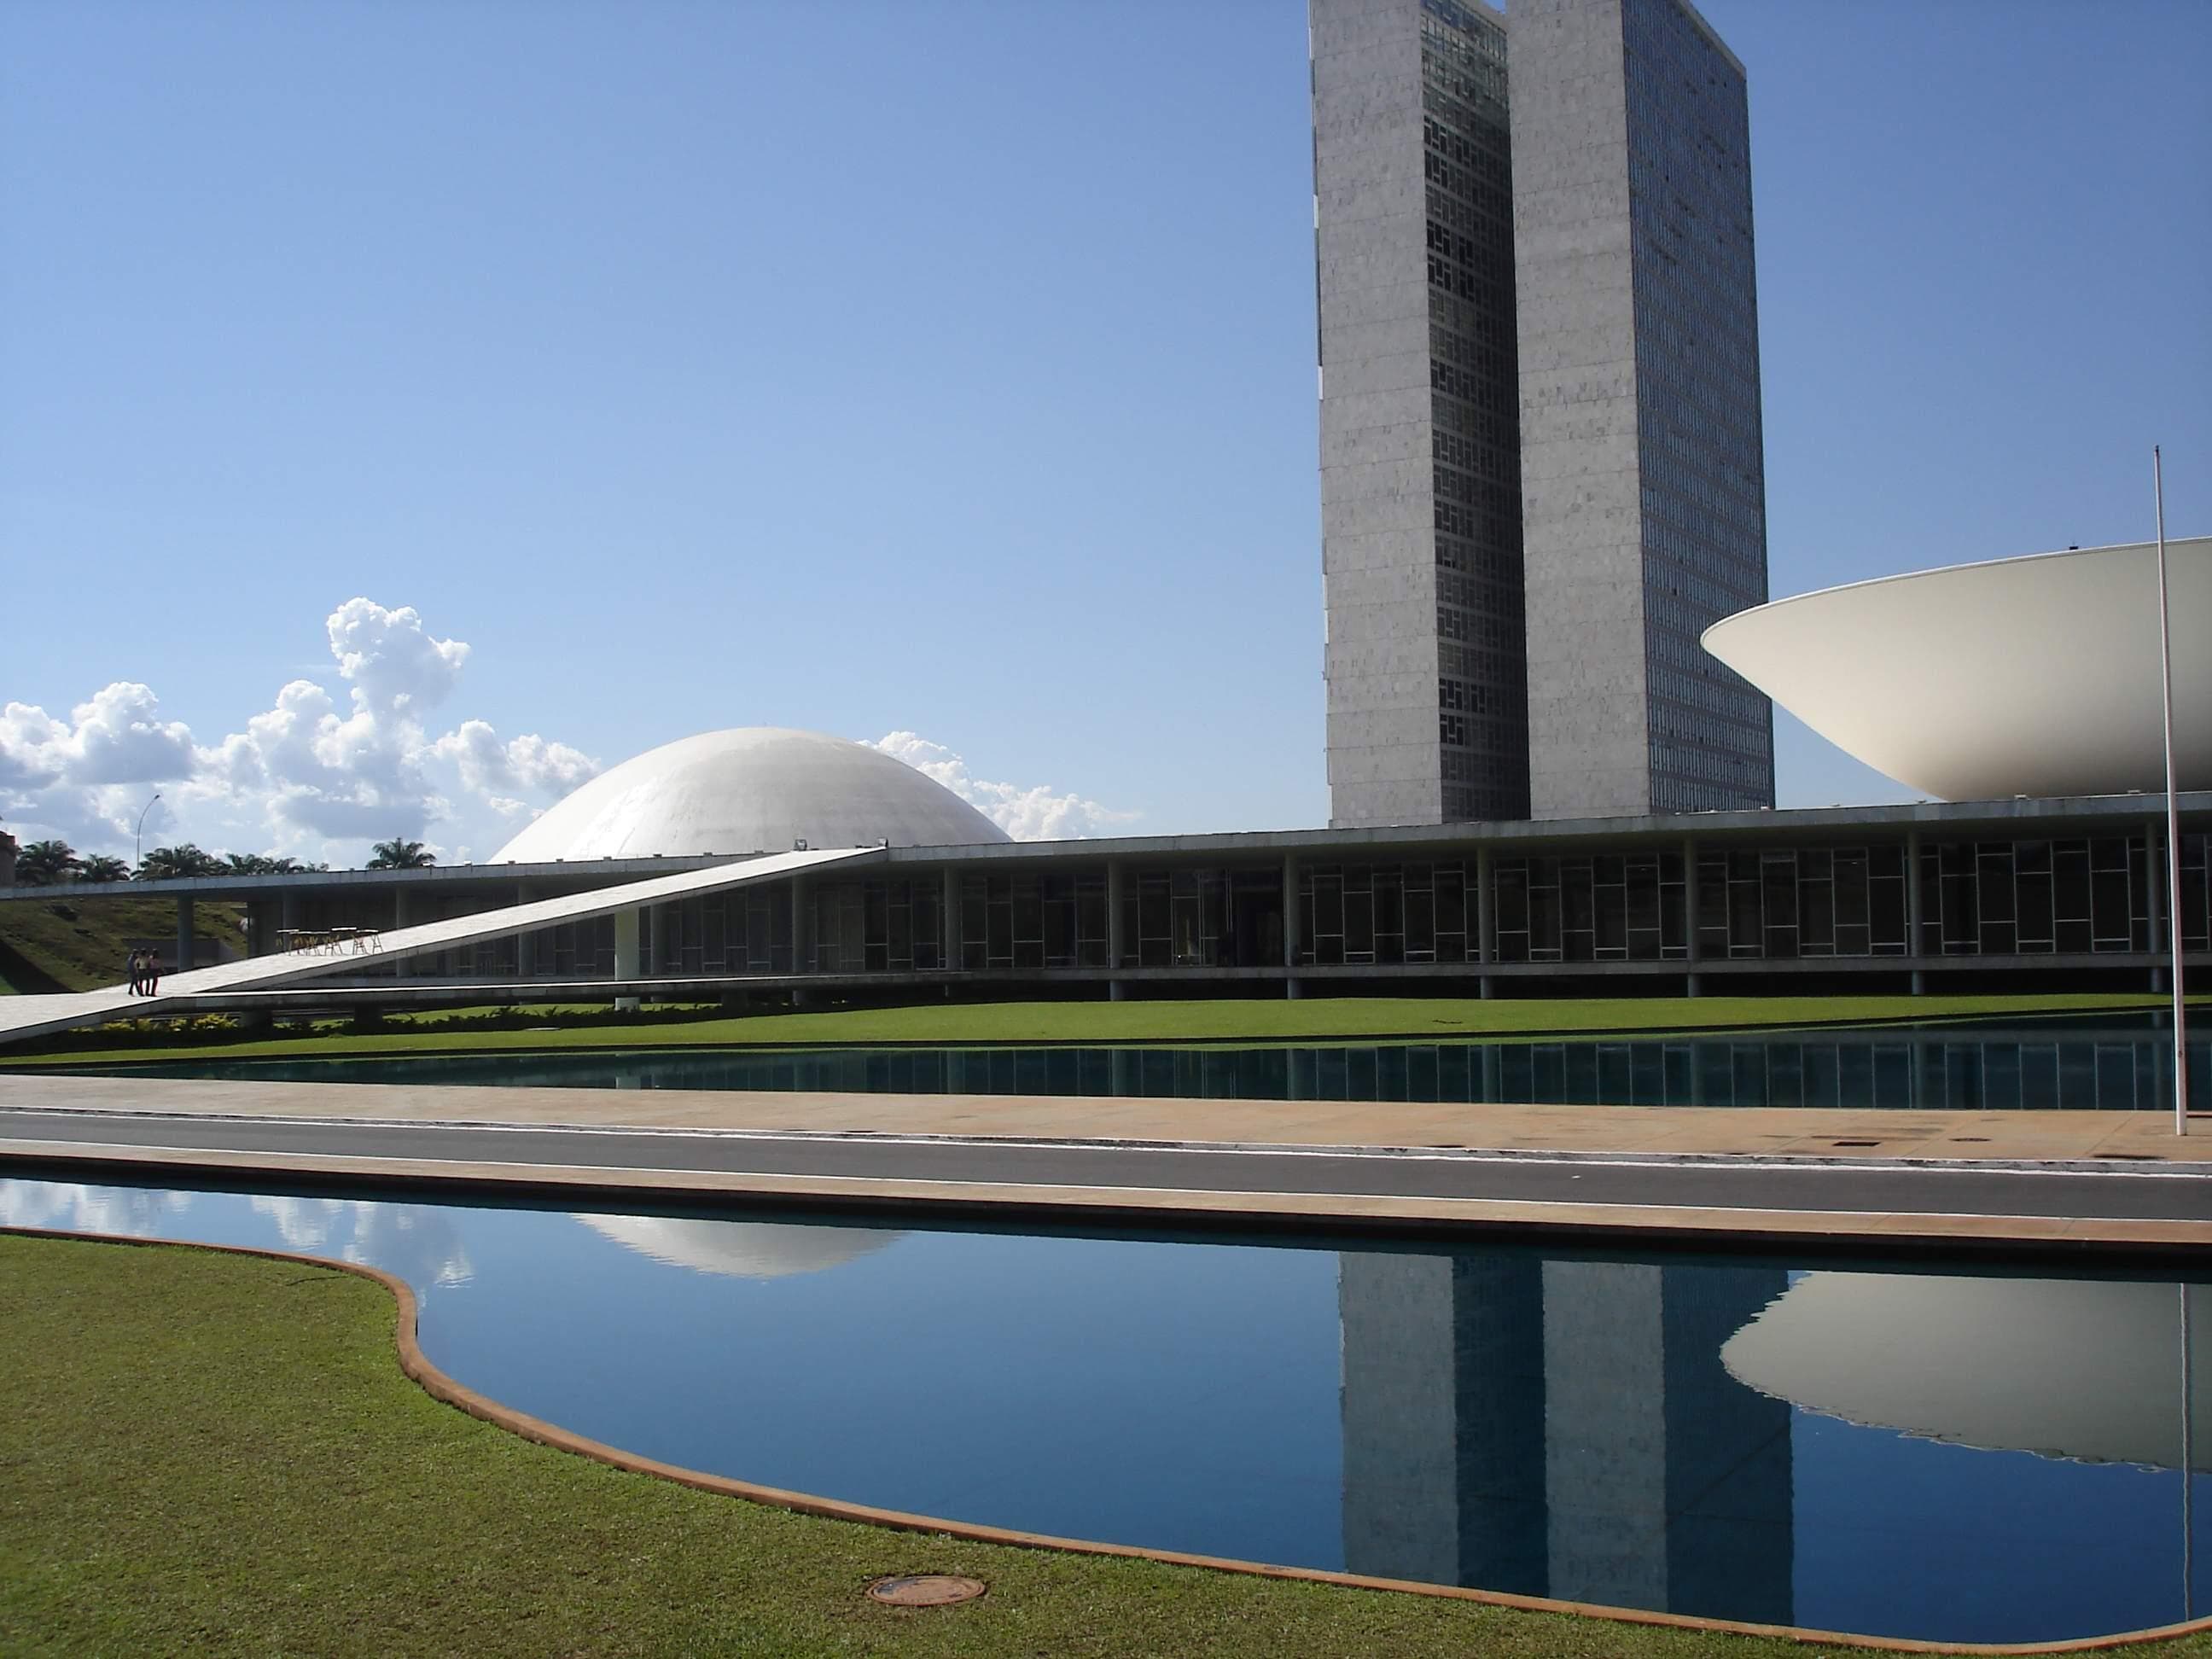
x=118, y=736
x=1025, y=811
x=489, y=765
x=308, y=774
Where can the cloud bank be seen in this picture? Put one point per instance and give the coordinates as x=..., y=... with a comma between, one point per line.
x=310, y=774
x=1027, y=812
x=327, y=769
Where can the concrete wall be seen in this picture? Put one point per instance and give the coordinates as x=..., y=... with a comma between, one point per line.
x=1581, y=515
x=1377, y=504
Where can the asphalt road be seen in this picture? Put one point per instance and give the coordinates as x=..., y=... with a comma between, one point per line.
x=2130, y=1196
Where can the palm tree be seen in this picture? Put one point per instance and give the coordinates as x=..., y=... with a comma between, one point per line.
x=401, y=854
x=267, y=864
x=168, y=863
x=44, y=863
x=99, y=866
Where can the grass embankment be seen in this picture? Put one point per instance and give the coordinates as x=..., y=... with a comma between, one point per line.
x=211, y=1454
x=1313, y=1019
x=66, y=941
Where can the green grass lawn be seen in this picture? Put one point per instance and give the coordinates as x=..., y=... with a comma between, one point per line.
x=213, y=1455
x=1312, y=1019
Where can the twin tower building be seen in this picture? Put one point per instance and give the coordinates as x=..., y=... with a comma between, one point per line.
x=1541, y=452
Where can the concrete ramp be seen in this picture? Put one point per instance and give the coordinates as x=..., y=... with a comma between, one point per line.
x=37, y=1015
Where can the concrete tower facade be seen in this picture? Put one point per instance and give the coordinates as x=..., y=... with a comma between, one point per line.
x=1563, y=1428
x=1642, y=471
x=1420, y=474
x=1541, y=472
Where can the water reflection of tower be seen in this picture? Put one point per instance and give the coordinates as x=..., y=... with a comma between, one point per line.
x=1563, y=1429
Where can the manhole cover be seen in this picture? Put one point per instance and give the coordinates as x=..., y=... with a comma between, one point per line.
x=928, y=1589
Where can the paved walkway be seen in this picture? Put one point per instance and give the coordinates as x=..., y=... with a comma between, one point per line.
x=1648, y=1130
x=403, y=1131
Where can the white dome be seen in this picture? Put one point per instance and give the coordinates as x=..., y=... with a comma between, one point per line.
x=757, y=789
x=2035, y=675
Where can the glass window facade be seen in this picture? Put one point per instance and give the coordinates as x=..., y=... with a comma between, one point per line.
x=1724, y=901
x=2041, y=897
x=1482, y=681
x=1803, y=901
x=877, y=926
x=1033, y=921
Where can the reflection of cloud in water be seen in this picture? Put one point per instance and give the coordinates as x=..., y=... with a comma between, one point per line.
x=68, y=1207
x=740, y=1249
x=418, y=1242
x=2064, y=1368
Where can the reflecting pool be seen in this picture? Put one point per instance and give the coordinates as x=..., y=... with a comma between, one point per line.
x=1956, y=1455
x=2106, y=1065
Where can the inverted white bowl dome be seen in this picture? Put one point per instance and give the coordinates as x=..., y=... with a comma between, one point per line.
x=2036, y=676
x=756, y=789
x=2063, y=1368
x=741, y=1249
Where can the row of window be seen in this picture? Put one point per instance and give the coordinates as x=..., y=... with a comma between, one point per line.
x=2088, y=895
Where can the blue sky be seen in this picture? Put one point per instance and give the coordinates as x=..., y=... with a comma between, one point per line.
x=942, y=366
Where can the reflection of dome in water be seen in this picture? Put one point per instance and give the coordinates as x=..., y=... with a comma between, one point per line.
x=740, y=1249
x=757, y=789
x=2065, y=1368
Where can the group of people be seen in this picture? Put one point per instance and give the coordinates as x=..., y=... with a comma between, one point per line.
x=145, y=973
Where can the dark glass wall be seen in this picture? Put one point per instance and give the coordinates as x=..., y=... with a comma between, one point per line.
x=1482, y=682
x=2083, y=895
x=1699, y=452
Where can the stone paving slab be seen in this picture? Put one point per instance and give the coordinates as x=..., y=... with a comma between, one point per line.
x=2115, y=1137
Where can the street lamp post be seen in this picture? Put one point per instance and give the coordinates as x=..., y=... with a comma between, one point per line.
x=138, y=835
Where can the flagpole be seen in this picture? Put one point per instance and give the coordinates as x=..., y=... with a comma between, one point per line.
x=2173, y=811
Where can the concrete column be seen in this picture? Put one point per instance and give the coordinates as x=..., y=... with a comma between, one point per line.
x=1291, y=924
x=2154, y=868
x=1486, y=920
x=183, y=961
x=1486, y=909
x=802, y=925
x=1912, y=941
x=949, y=937
x=626, y=954
x=399, y=921
x=1116, y=935
x=1693, y=983
x=525, y=944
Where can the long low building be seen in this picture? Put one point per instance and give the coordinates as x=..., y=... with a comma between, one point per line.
x=2013, y=894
